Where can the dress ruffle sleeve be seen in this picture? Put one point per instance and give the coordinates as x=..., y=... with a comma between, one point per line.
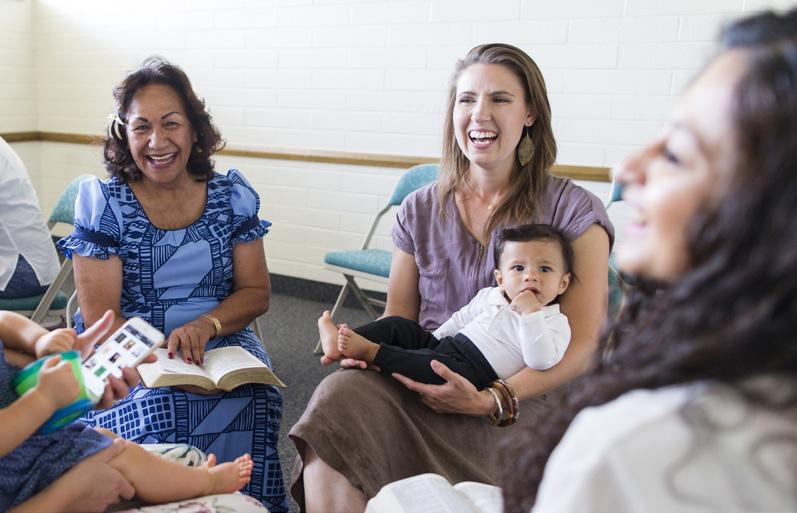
x=245, y=204
x=98, y=223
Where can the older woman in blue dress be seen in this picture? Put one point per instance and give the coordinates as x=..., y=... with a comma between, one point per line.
x=168, y=239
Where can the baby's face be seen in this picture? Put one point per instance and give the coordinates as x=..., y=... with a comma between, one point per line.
x=536, y=266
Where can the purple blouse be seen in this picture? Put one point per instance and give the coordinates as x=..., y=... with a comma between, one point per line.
x=453, y=265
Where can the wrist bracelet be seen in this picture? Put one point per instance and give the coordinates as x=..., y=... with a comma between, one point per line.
x=498, y=410
x=512, y=403
x=216, y=323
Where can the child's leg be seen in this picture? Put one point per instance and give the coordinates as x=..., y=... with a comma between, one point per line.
x=414, y=350
x=160, y=480
x=328, y=333
x=363, y=343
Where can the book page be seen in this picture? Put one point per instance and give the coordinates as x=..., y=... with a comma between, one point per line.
x=176, y=365
x=486, y=498
x=426, y=493
x=219, y=362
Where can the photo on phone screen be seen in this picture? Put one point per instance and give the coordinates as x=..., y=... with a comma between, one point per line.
x=127, y=347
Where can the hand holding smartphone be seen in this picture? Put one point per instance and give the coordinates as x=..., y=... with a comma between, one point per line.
x=126, y=347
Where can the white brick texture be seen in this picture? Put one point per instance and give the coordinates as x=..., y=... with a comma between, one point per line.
x=345, y=75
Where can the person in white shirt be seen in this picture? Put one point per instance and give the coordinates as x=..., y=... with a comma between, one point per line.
x=501, y=331
x=692, y=404
x=28, y=260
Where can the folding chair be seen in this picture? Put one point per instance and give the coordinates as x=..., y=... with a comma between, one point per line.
x=369, y=263
x=54, y=300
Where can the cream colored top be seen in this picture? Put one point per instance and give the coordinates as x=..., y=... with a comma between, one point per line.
x=650, y=451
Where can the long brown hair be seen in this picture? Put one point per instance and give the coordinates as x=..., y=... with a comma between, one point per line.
x=733, y=316
x=525, y=182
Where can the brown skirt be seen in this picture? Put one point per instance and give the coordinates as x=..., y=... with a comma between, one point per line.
x=374, y=431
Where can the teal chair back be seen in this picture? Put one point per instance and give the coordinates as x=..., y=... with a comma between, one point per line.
x=414, y=178
x=64, y=210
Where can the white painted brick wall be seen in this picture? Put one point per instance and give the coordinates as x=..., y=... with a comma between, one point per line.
x=17, y=67
x=349, y=75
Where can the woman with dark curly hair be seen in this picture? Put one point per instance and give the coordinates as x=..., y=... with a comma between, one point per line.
x=694, y=404
x=169, y=240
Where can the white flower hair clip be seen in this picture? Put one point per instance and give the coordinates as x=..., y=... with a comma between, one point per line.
x=115, y=122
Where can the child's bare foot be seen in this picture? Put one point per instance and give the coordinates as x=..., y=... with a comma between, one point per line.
x=356, y=346
x=229, y=477
x=329, y=338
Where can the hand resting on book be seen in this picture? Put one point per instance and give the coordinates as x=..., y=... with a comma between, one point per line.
x=223, y=368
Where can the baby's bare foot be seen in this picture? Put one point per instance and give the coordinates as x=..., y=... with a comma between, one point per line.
x=356, y=346
x=329, y=338
x=229, y=477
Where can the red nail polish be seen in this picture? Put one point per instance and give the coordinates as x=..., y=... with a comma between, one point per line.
x=171, y=355
x=189, y=360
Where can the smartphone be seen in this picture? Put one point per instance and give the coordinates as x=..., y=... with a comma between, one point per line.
x=127, y=347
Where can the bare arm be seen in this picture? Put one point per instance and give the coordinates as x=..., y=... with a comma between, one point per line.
x=99, y=288
x=25, y=415
x=249, y=299
x=19, y=333
x=585, y=305
x=403, y=297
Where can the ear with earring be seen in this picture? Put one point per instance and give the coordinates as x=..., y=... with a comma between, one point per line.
x=525, y=148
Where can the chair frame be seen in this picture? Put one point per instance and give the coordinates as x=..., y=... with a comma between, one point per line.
x=49, y=296
x=350, y=285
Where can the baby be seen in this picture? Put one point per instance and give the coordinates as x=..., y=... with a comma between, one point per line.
x=501, y=331
x=30, y=461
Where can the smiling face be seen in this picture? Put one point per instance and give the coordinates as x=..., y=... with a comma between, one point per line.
x=537, y=266
x=490, y=111
x=159, y=134
x=686, y=168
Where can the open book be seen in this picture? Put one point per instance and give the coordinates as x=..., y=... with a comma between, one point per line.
x=432, y=493
x=224, y=368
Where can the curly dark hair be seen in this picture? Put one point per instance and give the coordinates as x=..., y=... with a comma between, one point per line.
x=157, y=70
x=733, y=315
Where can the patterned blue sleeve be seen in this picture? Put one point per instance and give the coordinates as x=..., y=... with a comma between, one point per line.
x=98, y=223
x=245, y=204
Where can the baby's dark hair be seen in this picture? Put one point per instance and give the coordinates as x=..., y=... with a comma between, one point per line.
x=529, y=232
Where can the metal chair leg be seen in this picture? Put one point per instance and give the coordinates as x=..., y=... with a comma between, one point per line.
x=47, y=300
x=361, y=297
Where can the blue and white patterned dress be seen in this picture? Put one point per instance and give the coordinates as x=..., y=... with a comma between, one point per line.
x=171, y=277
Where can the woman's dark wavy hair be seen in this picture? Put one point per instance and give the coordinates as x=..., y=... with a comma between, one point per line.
x=733, y=316
x=157, y=70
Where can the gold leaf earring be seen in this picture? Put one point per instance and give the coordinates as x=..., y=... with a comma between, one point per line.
x=525, y=148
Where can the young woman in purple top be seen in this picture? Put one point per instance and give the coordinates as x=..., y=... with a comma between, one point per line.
x=498, y=151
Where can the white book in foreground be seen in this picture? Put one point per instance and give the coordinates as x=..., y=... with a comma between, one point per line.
x=432, y=493
x=225, y=368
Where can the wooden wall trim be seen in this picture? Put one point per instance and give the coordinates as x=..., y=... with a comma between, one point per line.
x=593, y=173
